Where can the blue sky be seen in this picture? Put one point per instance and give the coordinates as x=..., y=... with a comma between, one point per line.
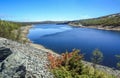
x=57, y=10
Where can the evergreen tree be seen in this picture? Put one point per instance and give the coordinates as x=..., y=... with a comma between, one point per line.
x=97, y=57
x=7, y=29
x=118, y=64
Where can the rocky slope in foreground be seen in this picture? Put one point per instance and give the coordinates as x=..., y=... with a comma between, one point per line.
x=22, y=61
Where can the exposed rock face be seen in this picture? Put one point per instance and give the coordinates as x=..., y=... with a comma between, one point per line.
x=4, y=53
x=22, y=61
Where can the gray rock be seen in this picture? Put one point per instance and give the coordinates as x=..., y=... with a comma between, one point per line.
x=104, y=68
x=22, y=61
x=4, y=53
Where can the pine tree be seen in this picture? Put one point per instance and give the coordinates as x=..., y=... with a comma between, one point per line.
x=97, y=57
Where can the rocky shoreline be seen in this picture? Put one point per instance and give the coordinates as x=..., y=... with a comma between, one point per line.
x=25, y=31
x=22, y=61
x=112, y=28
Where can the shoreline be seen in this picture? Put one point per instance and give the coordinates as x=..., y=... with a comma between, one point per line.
x=24, y=33
x=109, y=28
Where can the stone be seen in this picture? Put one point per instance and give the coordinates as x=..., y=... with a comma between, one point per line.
x=22, y=61
x=4, y=53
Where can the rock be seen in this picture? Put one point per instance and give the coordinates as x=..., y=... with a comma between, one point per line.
x=22, y=61
x=4, y=53
x=104, y=68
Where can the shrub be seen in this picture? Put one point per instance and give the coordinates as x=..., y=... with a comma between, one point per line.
x=69, y=65
x=118, y=64
x=7, y=30
x=97, y=57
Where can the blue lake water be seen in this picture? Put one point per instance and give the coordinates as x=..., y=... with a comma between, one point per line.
x=60, y=38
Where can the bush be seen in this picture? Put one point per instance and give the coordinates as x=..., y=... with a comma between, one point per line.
x=69, y=65
x=97, y=57
x=118, y=63
x=7, y=30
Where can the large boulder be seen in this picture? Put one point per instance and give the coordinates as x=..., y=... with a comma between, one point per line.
x=4, y=53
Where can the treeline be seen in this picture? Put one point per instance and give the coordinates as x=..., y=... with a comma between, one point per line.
x=111, y=20
x=9, y=30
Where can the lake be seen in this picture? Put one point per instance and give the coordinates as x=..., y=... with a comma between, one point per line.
x=62, y=38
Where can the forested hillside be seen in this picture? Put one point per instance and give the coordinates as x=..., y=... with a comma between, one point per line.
x=109, y=20
x=9, y=30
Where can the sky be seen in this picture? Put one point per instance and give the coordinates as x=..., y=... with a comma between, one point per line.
x=56, y=10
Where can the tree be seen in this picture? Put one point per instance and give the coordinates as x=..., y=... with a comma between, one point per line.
x=118, y=63
x=97, y=57
x=7, y=29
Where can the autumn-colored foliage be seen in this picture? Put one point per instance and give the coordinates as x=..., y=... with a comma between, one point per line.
x=54, y=60
x=69, y=65
x=64, y=59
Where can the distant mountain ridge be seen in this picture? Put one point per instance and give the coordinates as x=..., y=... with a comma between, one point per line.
x=44, y=22
x=108, y=22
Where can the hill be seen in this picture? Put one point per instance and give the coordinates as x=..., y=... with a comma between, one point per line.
x=43, y=22
x=109, y=22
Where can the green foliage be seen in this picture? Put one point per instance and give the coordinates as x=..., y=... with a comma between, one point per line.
x=86, y=72
x=118, y=57
x=7, y=30
x=104, y=21
x=97, y=56
x=118, y=64
x=71, y=66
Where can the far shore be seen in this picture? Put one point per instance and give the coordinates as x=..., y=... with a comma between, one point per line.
x=112, y=28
